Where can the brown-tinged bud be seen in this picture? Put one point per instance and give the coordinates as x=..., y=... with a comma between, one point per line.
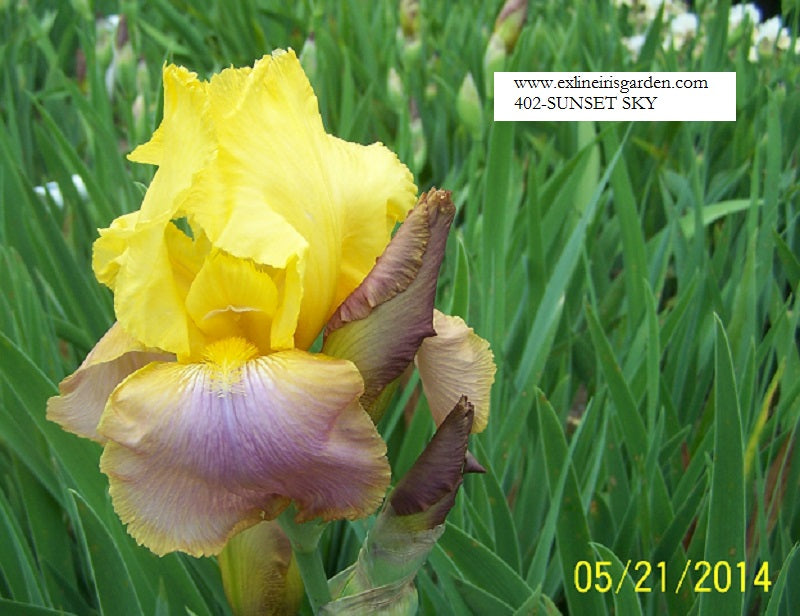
x=509, y=22
x=80, y=68
x=409, y=18
x=408, y=526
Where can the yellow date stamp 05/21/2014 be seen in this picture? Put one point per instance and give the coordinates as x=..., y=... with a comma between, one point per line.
x=699, y=575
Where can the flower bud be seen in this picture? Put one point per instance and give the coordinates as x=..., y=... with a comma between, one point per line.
x=138, y=111
x=410, y=49
x=510, y=21
x=142, y=77
x=431, y=91
x=468, y=106
x=105, y=36
x=395, y=89
x=126, y=68
x=493, y=60
x=308, y=57
x=408, y=526
x=409, y=42
x=141, y=110
x=409, y=18
x=419, y=146
x=80, y=69
x=259, y=573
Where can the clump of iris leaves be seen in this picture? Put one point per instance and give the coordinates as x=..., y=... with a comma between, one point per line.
x=638, y=284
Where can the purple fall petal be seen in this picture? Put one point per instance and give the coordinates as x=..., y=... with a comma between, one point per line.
x=196, y=455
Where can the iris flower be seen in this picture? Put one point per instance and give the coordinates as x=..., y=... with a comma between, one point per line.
x=258, y=233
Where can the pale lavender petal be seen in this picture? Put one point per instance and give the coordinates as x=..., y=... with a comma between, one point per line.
x=83, y=394
x=198, y=452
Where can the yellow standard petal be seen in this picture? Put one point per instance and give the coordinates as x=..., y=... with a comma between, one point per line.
x=140, y=257
x=456, y=362
x=281, y=188
x=110, y=250
x=151, y=289
x=233, y=297
x=245, y=159
x=377, y=192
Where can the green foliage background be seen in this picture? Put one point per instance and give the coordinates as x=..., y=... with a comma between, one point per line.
x=638, y=284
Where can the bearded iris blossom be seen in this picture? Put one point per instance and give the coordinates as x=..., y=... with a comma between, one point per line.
x=258, y=232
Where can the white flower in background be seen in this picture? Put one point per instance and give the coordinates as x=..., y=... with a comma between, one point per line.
x=53, y=190
x=769, y=36
x=684, y=25
x=634, y=44
x=784, y=41
x=643, y=12
x=770, y=29
x=682, y=28
x=740, y=13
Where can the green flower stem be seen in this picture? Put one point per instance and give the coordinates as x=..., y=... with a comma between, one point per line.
x=305, y=545
x=313, y=574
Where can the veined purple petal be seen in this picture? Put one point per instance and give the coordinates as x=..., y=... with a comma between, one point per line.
x=198, y=452
x=83, y=394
